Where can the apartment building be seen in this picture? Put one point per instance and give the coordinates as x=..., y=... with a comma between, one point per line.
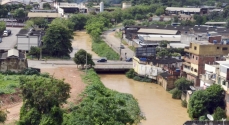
x=200, y=53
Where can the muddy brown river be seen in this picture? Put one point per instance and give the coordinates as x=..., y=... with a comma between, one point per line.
x=156, y=103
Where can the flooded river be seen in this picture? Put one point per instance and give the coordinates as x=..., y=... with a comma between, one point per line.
x=157, y=104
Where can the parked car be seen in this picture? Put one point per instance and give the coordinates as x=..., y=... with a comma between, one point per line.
x=102, y=60
x=122, y=47
x=0, y=39
x=129, y=60
x=6, y=32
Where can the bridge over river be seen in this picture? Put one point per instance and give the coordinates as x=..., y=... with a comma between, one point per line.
x=109, y=66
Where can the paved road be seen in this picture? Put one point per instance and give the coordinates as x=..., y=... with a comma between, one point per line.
x=61, y=63
x=114, y=42
x=10, y=41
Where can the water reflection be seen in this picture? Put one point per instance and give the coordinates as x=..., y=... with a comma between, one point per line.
x=157, y=104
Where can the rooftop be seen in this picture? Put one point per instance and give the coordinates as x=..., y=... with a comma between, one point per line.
x=171, y=38
x=12, y=53
x=166, y=61
x=206, y=123
x=40, y=14
x=183, y=9
x=24, y=32
x=158, y=31
x=207, y=23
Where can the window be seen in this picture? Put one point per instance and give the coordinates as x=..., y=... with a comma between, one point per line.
x=224, y=48
x=195, y=47
x=193, y=57
x=196, y=58
x=216, y=58
x=195, y=70
x=217, y=47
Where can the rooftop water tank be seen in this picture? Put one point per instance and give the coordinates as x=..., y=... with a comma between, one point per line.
x=215, y=41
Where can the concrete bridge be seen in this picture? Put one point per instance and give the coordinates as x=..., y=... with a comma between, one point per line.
x=110, y=66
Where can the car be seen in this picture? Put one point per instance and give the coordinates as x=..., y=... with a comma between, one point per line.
x=122, y=47
x=129, y=60
x=6, y=32
x=102, y=60
x=0, y=39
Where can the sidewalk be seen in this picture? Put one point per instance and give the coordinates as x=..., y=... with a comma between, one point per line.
x=114, y=43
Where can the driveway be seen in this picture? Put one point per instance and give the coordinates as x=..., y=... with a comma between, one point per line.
x=10, y=41
x=114, y=42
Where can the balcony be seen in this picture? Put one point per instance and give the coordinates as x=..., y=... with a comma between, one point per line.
x=187, y=70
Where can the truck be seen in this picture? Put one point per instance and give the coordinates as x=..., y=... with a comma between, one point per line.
x=6, y=32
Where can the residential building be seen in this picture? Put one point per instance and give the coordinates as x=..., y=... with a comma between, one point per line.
x=182, y=10
x=47, y=15
x=27, y=38
x=66, y=8
x=200, y=53
x=167, y=79
x=13, y=60
x=217, y=73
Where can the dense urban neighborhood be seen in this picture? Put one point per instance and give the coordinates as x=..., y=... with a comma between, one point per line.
x=114, y=62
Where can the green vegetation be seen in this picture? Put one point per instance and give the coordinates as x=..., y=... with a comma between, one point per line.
x=81, y=56
x=2, y=26
x=184, y=103
x=176, y=94
x=8, y=83
x=57, y=39
x=204, y=102
x=104, y=50
x=17, y=11
x=132, y=75
x=35, y=51
x=219, y=113
x=102, y=106
x=42, y=100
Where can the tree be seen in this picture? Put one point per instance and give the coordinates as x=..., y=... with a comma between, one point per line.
x=163, y=53
x=206, y=101
x=42, y=98
x=197, y=104
x=182, y=84
x=57, y=39
x=79, y=21
x=35, y=51
x=163, y=43
x=20, y=13
x=219, y=114
x=128, y=22
x=46, y=6
x=28, y=7
x=81, y=56
x=2, y=26
x=160, y=11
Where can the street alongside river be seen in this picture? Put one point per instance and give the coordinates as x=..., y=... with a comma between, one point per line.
x=156, y=103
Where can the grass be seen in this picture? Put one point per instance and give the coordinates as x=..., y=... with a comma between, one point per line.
x=8, y=83
x=104, y=50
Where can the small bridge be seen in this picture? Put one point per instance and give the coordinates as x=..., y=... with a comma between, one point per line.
x=112, y=67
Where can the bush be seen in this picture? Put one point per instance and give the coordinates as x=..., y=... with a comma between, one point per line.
x=46, y=75
x=30, y=71
x=130, y=74
x=137, y=78
x=184, y=103
x=202, y=118
x=219, y=114
x=173, y=90
x=176, y=94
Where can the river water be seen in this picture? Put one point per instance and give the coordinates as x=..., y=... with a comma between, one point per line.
x=156, y=103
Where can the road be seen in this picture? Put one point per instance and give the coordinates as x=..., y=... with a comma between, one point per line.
x=114, y=42
x=61, y=63
x=10, y=41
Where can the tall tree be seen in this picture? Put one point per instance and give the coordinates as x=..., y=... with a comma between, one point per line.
x=57, y=39
x=82, y=57
x=2, y=26
x=42, y=98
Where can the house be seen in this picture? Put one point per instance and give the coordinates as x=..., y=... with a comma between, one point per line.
x=27, y=38
x=167, y=79
x=217, y=73
x=66, y=8
x=13, y=60
x=198, y=54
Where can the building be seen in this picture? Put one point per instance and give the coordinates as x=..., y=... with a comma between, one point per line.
x=182, y=10
x=13, y=60
x=27, y=38
x=206, y=123
x=217, y=73
x=67, y=8
x=167, y=79
x=150, y=31
x=200, y=53
x=159, y=38
x=49, y=15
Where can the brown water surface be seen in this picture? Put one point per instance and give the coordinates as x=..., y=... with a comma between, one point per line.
x=156, y=103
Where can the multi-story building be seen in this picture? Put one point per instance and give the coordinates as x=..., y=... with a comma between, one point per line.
x=200, y=53
x=217, y=73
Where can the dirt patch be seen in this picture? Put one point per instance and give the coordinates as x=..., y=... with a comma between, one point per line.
x=71, y=75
